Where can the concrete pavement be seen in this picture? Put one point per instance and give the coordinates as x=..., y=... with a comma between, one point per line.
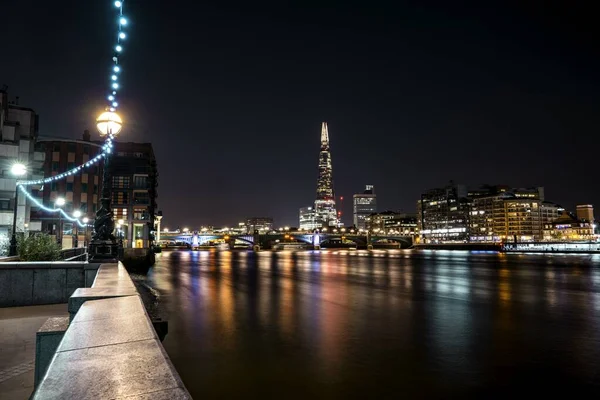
x=18, y=326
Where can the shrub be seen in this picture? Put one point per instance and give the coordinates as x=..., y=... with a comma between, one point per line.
x=38, y=247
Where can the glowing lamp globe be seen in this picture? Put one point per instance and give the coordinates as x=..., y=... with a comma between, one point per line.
x=109, y=122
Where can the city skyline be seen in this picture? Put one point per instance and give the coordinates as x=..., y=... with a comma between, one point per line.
x=414, y=98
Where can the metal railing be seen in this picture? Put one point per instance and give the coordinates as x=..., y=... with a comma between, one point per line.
x=74, y=254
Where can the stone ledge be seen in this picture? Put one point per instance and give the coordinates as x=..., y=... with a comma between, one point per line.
x=110, y=350
x=114, y=371
x=47, y=264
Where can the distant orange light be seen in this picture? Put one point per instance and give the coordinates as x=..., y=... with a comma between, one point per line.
x=226, y=237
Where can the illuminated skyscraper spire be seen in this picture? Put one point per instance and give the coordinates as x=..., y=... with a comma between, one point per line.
x=324, y=135
x=325, y=202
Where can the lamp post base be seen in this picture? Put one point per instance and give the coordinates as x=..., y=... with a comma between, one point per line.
x=103, y=250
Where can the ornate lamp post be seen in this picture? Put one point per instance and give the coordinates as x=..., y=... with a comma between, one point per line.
x=104, y=245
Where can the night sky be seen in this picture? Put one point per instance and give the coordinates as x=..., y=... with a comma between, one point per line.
x=232, y=96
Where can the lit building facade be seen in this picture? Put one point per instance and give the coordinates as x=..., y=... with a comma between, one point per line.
x=568, y=228
x=324, y=208
x=134, y=192
x=260, y=224
x=308, y=219
x=443, y=214
x=18, y=133
x=501, y=214
x=80, y=191
x=392, y=223
x=550, y=211
x=363, y=205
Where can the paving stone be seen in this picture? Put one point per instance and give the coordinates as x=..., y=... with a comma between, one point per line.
x=107, y=332
x=110, y=308
x=108, y=372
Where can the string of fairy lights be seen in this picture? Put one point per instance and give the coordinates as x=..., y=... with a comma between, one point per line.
x=107, y=147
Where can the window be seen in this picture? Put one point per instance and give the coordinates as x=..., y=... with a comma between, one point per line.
x=4, y=204
x=56, y=147
x=54, y=186
x=70, y=165
x=95, y=189
x=83, y=208
x=120, y=213
x=140, y=181
x=71, y=147
x=84, y=188
x=69, y=186
x=141, y=198
x=140, y=214
x=55, y=165
x=120, y=182
x=86, y=149
x=120, y=197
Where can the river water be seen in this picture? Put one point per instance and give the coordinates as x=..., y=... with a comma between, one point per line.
x=382, y=324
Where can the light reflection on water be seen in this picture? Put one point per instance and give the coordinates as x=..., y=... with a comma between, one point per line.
x=344, y=324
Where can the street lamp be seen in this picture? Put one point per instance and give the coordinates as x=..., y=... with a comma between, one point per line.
x=17, y=169
x=103, y=245
x=59, y=202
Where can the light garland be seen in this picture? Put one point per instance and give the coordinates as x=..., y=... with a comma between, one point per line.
x=43, y=207
x=108, y=144
x=106, y=150
x=113, y=104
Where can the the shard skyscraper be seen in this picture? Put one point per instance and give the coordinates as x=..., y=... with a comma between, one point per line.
x=325, y=212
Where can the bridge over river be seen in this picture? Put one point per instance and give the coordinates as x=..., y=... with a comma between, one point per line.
x=267, y=241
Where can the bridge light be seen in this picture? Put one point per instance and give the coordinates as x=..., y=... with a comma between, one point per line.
x=226, y=237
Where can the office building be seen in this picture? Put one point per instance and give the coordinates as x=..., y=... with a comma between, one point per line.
x=260, y=224
x=134, y=192
x=501, y=214
x=550, y=211
x=392, y=223
x=363, y=204
x=324, y=208
x=442, y=215
x=308, y=219
x=19, y=128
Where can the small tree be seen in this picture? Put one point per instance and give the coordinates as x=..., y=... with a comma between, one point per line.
x=38, y=247
x=4, y=245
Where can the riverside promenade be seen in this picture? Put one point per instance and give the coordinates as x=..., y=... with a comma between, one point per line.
x=101, y=345
x=18, y=327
